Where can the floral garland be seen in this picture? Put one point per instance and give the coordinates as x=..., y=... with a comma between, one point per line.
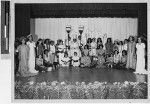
x=68, y=90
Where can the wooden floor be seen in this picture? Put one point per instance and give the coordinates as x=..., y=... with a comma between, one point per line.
x=84, y=74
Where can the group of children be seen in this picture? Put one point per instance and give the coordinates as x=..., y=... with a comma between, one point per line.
x=93, y=54
x=45, y=55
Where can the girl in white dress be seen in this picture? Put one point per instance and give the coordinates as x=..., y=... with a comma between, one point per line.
x=93, y=47
x=31, y=61
x=116, y=58
x=140, y=52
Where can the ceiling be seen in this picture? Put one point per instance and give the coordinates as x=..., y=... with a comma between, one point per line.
x=65, y=10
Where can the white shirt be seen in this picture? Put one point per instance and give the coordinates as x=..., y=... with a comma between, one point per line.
x=93, y=45
x=116, y=58
x=52, y=49
x=65, y=61
x=74, y=45
x=61, y=47
x=75, y=61
x=46, y=58
x=125, y=47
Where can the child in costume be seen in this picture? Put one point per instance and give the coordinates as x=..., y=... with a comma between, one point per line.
x=75, y=60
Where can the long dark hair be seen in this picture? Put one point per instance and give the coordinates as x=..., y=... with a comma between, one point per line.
x=37, y=43
x=29, y=37
x=121, y=42
x=23, y=38
x=46, y=41
x=86, y=46
x=89, y=40
x=99, y=40
x=132, y=38
x=109, y=39
x=141, y=39
x=125, y=40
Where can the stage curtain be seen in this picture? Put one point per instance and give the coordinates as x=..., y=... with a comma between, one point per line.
x=117, y=28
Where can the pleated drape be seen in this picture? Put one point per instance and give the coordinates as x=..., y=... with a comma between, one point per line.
x=117, y=28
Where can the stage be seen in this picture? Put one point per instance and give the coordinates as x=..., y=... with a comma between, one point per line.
x=86, y=75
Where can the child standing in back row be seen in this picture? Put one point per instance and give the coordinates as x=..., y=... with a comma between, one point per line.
x=39, y=48
x=52, y=52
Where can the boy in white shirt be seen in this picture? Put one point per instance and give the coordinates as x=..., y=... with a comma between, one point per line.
x=75, y=60
x=65, y=61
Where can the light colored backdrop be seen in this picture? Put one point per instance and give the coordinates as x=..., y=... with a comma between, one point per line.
x=54, y=28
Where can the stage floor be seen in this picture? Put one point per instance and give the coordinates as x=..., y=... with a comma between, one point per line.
x=85, y=75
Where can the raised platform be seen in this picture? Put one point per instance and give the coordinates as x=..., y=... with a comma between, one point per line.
x=85, y=75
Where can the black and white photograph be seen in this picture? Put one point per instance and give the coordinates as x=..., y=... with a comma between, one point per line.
x=76, y=50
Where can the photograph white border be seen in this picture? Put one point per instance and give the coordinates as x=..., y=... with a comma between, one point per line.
x=12, y=38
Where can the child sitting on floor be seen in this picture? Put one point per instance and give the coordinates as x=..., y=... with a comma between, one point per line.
x=109, y=60
x=123, y=60
x=47, y=59
x=116, y=59
x=86, y=50
x=100, y=50
x=39, y=64
x=85, y=60
x=94, y=60
x=75, y=60
x=115, y=46
x=65, y=61
x=101, y=59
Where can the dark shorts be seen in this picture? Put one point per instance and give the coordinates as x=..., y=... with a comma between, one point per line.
x=47, y=64
x=40, y=68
